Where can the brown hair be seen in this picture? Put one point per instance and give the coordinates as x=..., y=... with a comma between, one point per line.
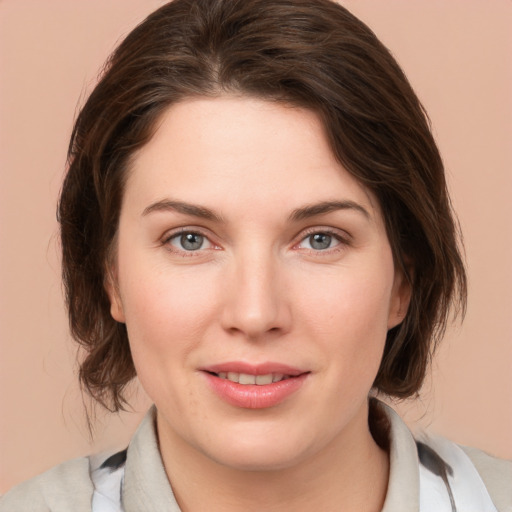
x=310, y=53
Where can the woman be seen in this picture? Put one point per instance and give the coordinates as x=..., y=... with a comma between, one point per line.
x=255, y=223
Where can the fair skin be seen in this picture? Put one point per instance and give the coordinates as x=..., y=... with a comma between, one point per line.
x=223, y=264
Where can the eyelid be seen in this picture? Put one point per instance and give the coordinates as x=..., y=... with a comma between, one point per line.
x=342, y=236
x=173, y=233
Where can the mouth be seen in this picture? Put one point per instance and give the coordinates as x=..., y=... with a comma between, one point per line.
x=248, y=379
x=254, y=386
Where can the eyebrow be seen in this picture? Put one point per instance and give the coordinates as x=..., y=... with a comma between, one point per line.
x=327, y=207
x=299, y=214
x=181, y=207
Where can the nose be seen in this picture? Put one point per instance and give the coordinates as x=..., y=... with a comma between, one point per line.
x=256, y=304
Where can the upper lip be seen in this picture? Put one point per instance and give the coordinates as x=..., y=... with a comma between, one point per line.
x=254, y=369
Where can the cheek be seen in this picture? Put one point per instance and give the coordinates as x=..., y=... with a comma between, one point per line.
x=165, y=311
x=348, y=302
x=347, y=313
x=167, y=315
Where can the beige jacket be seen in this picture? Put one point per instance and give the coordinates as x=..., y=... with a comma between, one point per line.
x=69, y=488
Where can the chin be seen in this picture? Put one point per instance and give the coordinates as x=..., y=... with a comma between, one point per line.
x=259, y=452
x=258, y=460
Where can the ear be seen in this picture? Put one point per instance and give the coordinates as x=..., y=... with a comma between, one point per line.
x=112, y=289
x=400, y=297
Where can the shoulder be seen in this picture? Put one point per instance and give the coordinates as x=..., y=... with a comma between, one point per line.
x=470, y=475
x=63, y=488
x=431, y=473
x=496, y=475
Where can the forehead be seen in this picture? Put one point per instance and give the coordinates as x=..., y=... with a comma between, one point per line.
x=239, y=151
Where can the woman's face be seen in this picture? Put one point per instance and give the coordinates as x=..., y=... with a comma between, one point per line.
x=247, y=253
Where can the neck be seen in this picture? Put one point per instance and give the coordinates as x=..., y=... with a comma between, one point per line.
x=349, y=473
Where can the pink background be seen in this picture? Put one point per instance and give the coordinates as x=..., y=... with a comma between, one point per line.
x=457, y=56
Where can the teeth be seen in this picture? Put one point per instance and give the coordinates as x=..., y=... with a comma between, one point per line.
x=245, y=378
x=264, y=379
x=233, y=377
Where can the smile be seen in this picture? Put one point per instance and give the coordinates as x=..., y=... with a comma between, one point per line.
x=258, y=380
x=254, y=386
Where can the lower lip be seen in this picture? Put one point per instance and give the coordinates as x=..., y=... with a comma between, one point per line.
x=252, y=396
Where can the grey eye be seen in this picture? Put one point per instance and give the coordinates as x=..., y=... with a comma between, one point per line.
x=320, y=241
x=189, y=241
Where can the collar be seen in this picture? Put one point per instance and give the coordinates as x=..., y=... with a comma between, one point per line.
x=404, y=478
x=146, y=487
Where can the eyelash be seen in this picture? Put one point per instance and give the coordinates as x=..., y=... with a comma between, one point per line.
x=343, y=241
x=166, y=241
